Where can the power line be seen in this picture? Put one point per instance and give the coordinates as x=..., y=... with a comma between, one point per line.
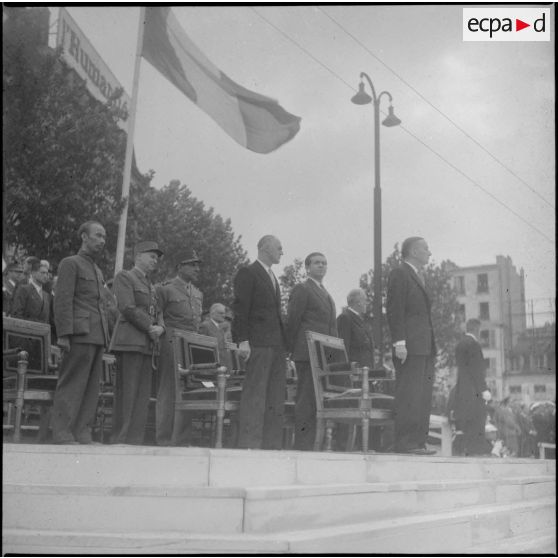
x=406, y=130
x=358, y=41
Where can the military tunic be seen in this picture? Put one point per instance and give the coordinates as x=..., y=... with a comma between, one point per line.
x=139, y=310
x=181, y=304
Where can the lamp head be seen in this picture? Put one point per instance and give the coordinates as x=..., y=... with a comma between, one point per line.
x=361, y=98
x=391, y=119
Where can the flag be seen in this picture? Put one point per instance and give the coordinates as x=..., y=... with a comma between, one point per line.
x=255, y=121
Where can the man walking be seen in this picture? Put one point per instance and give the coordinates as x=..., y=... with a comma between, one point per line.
x=181, y=304
x=414, y=349
x=471, y=392
x=311, y=308
x=135, y=341
x=81, y=325
x=258, y=329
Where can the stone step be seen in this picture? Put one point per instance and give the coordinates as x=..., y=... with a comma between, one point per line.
x=111, y=465
x=252, y=509
x=542, y=541
x=452, y=532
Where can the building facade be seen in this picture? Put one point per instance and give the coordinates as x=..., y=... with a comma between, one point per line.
x=495, y=294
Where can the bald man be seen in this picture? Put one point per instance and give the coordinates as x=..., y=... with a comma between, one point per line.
x=213, y=326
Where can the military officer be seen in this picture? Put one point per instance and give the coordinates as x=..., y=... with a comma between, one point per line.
x=135, y=341
x=181, y=304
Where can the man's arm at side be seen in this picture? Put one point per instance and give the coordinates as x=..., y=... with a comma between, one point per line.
x=298, y=301
x=64, y=298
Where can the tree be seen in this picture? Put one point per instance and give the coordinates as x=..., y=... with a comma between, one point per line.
x=178, y=222
x=446, y=318
x=63, y=150
x=291, y=276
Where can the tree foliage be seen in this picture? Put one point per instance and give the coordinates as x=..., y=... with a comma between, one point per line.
x=179, y=222
x=63, y=150
x=291, y=276
x=446, y=318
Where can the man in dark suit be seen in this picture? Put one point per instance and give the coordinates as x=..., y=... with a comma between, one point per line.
x=81, y=325
x=311, y=308
x=471, y=392
x=258, y=329
x=352, y=329
x=414, y=349
x=31, y=302
x=135, y=341
x=10, y=280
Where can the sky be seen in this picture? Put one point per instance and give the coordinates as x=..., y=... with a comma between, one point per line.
x=315, y=193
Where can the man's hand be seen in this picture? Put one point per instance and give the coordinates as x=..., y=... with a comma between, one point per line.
x=401, y=353
x=155, y=331
x=64, y=343
x=486, y=395
x=244, y=349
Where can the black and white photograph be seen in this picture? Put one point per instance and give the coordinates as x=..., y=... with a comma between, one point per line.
x=279, y=279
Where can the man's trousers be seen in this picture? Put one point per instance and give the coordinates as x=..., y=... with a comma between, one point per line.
x=77, y=393
x=263, y=399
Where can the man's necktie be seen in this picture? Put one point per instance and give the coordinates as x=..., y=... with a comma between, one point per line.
x=272, y=277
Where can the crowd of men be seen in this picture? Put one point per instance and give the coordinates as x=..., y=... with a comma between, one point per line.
x=135, y=320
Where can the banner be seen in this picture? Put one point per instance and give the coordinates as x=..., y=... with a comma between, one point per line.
x=80, y=55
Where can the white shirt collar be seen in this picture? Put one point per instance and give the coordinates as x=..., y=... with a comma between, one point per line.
x=415, y=269
x=473, y=336
x=321, y=285
x=38, y=287
x=353, y=311
x=265, y=266
x=216, y=323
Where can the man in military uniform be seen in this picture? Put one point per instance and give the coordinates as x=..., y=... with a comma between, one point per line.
x=181, y=304
x=81, y=324
x=135, y=341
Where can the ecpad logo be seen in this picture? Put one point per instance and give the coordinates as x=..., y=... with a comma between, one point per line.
x=506, y=24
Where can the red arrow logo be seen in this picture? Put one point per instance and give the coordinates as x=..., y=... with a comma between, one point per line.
x=519, y=25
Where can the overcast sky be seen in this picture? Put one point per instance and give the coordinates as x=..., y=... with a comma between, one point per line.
x=315, y=193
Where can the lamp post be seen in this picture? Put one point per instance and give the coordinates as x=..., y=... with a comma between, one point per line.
x=362, y=98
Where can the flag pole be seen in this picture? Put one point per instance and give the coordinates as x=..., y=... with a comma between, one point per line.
x=121, y=242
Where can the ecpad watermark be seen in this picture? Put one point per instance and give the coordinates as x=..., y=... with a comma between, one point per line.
x=506, y=24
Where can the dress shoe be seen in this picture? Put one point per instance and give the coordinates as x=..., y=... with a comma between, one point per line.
x=422, y=451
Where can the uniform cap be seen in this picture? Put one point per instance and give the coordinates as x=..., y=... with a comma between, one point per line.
x=190, y=256
x=147, y=246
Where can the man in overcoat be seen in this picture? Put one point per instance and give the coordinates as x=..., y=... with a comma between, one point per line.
x=258, y=329
x=311, y=308
x=414, y=348
x=471, y=392
x=82, y=329
x=135, y=341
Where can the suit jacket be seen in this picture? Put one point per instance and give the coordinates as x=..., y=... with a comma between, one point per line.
x=137, y=302
x=408, y=312
x=358, y=339
x=471, y=379
x=79, y=305
x=208, y=327
x=29, y=305
x=311, y=308
x=257, y=308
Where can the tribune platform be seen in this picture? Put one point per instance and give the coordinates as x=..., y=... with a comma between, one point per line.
x=118, y=499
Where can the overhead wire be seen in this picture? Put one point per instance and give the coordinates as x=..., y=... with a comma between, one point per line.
x=439, y=111
x=326, y=67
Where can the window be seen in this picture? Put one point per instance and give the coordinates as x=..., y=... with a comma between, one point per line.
x=484, y=312
x=460, y=284
x=540, y=389
x=485, y=338
x=540, y=361
x=515, y=389
x=482, y=283
x=462, y=312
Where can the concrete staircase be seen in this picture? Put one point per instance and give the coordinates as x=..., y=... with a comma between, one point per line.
x=143, y=500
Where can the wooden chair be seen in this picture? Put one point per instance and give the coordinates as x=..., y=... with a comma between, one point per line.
x=202, y=384
x=31, y=381
x=343, y=392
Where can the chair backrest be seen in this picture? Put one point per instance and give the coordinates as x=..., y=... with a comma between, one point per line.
x=33, y=337
x=195, y=353
x=325, y=350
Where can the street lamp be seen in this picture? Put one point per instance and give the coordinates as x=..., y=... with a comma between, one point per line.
x=362, y=98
